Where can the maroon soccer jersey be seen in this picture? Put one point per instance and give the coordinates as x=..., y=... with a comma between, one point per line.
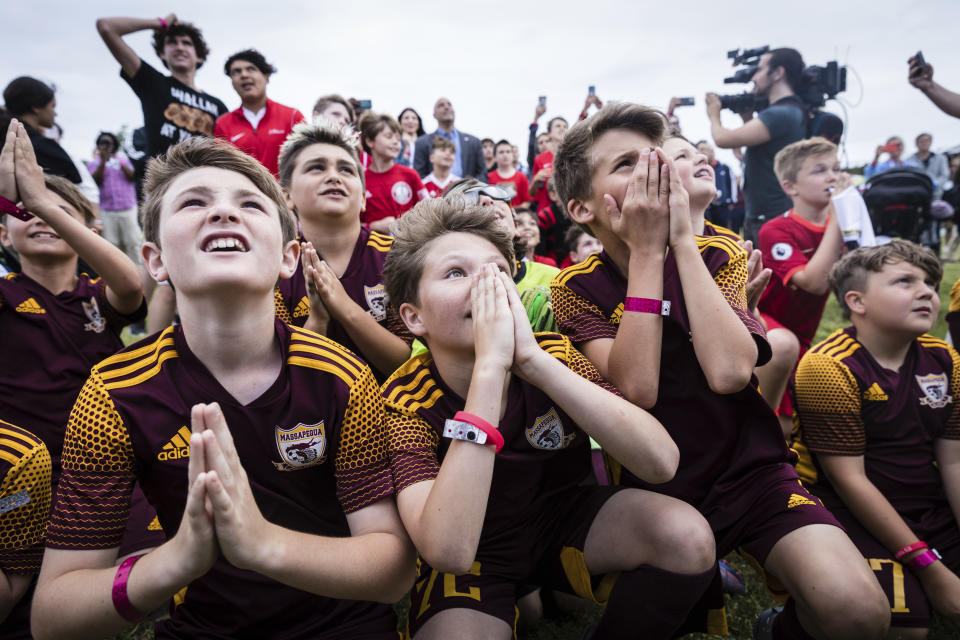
x=392, y=192
x=849, y=405
x=313, y=446
x=724, y=440
x=517, y=185
x=787, y=243
x=545, y=452
x=49, y=342
x=363, y=282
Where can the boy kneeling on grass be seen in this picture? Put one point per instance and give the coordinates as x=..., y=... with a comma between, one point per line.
x=278, y=497
x=489, y=438
x=877, y=407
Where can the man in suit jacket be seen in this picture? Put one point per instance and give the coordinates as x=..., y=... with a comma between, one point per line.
x=468, y=162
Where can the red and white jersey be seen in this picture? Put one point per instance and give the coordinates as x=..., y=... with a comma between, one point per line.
x=263, y=143
x=435, y=187
x=392, y=192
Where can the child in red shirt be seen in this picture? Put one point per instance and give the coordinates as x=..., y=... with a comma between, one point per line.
x=441, y=157
x=507, y=176
x=392, y=189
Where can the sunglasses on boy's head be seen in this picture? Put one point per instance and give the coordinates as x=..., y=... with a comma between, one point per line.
x=472, y=196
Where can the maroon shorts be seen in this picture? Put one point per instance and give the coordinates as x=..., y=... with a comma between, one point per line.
x=909, y=606
x=557, y=542
x=143, y=531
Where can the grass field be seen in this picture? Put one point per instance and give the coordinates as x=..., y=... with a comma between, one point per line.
x=741, y=610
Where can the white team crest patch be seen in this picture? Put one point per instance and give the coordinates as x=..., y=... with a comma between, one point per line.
x=97, y=323
x=934, y=387
x=401, y=192
x=305, y=445
x=781, y=251
x=547, y=432
x=377, y=301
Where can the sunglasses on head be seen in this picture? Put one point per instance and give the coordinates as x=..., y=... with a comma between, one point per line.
x=472, y=195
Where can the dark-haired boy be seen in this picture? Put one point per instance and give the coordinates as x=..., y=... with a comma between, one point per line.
x=543, y=164
x=507, y=176
x=260, y=125
x=279, y=491
x=662, y=313
x=877, y=406
x=338, y=292
x=441, y=158
x=488, y=518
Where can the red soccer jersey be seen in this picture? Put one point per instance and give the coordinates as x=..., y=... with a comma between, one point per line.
x=436, y=187
x=517, y=184
x=49, y=342
x=724, y=440
x=263, y=143
x=787, y=242
x=313, y=446
x=392, y=192
x=542, y=161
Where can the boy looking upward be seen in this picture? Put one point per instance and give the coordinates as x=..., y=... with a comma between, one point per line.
x=543, y=163
x=485, y=518
x=690, y=362
x=338, y=289
x=441, y=157
x=799, y=247
x=279, y=492
x=507, y=176
x=879, y=429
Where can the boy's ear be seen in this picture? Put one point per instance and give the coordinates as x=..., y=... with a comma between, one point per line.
x=854, y=300
x=579, y=212
x=410, y=315
x=5, y=236
x=363, y=201
x=153, y=261
x=288, y=199
x=291, y=258
x=789, y=188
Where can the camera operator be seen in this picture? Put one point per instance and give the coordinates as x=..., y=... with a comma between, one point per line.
x=777, y=78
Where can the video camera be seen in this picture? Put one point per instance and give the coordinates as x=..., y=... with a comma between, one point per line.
x=817, y=84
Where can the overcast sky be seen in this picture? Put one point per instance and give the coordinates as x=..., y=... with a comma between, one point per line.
x=493, y=58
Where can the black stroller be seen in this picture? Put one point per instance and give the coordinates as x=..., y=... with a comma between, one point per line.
x=899, y=204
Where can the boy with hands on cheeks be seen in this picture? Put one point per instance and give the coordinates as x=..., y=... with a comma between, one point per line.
x=690, y=362
x=489, y=436
x=279, y=491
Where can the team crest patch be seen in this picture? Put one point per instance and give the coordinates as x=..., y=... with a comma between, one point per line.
x=781, y=251
x=376, y=300
x=97, y=323
x=547, y=432
x=401, y=193
x=934, y=387
x=305, y=445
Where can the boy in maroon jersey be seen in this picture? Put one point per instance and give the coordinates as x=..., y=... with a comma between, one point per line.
x=441, y=159
x=690, y=361
x=338, y=291
x=486, y=519
x=506, y=175
x=799, y=247
x=392, y=188
x=279, y=488
x=877, y=406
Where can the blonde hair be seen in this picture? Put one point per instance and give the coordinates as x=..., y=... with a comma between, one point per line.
x=787, y=162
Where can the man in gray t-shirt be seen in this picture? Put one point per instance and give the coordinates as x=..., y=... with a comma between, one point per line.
x=784, y=121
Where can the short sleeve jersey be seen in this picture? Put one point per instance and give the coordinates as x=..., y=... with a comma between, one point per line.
x=544, y=452
x=542, y=161
x=723, y=439
x=172, y=111
x=435, y=187
x=787, y=242
x=849, y=405
x=363, y=282
x=313, y=446
x=263, y=143
x=761, y=189
x=517, y=185
x=392, y=193
x=24, y=499
x=49, y=342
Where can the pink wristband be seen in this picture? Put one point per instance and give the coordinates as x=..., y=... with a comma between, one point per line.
x=647, y=305
x=496, y=438
x=8, y=206
x=163, y=23
x=924, y=559
x=910, y=548
x=120, y=600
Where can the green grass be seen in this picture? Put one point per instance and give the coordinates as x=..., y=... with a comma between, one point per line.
x=741, y=610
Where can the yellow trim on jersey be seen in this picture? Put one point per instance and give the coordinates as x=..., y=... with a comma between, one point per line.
x=928, y=340
x=729, y=245
x=413, y=401
x=146, y=375
x=15, y=441
x=162, y=340
x=845, y=350
x=349, y=367
x=320, y=365
x=110, y=374
x=379, y=242
x=831, y=339
x=586, y=266
x=426, y=404
x=323, y=341
x=410, y=386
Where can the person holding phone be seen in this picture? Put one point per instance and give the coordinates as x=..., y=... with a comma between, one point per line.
x=921, y=76
x=893, y=148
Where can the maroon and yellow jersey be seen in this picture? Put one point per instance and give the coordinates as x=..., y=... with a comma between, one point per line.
x=723, y=439
x=849, y=405
x=545, y=452
x=49, y=342
x=24, y=499
x=363, y=282
x=313, y=446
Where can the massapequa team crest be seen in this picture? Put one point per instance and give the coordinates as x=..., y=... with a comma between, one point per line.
x=934, y=387
x=547, y=432
x=376, y=300
x=305, y=445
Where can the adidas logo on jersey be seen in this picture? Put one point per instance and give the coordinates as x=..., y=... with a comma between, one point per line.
x=302, y=309
x=178, y=446
x=875, y=393
x=30, y=306
x=796, y=500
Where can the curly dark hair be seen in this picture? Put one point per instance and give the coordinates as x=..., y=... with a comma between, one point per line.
x=181, y=29
x=252, y=56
